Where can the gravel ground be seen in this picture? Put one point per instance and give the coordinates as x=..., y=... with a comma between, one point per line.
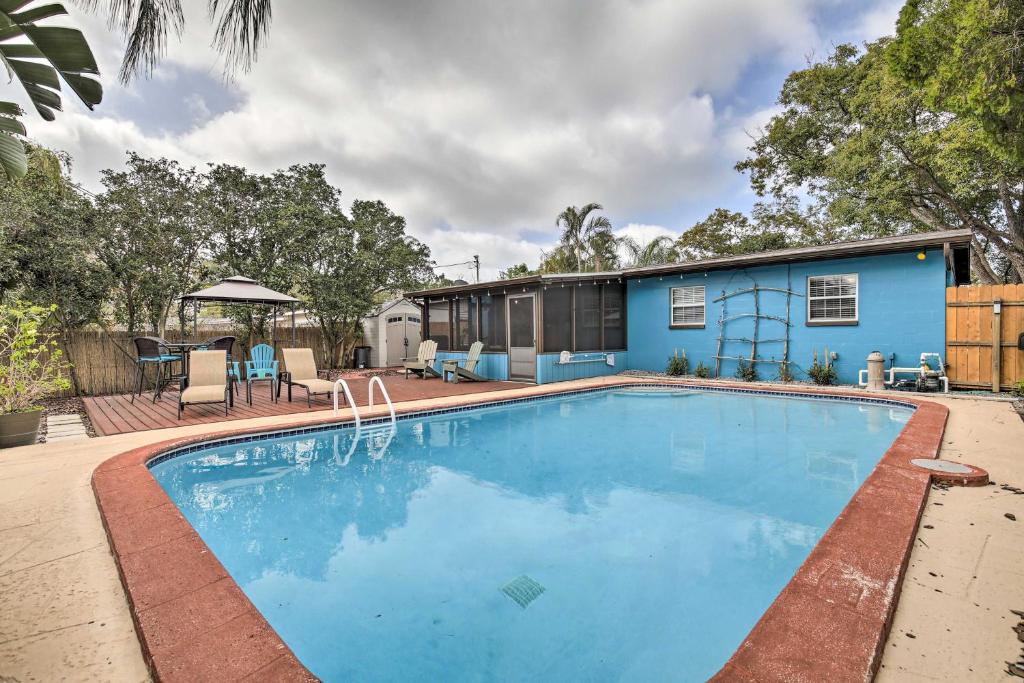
x=63, y=406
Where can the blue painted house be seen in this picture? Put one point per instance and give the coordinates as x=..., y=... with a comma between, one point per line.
x=851, y=298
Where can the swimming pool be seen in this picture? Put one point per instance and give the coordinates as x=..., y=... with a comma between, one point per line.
x=625, y=534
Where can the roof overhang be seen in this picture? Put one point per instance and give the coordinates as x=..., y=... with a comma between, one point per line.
x=519, y=283
x=954, y=240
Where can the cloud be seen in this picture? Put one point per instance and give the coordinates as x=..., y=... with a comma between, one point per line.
x=478, y=121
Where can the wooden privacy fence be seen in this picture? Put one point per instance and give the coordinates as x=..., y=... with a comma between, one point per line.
x=103, y=367
x=983, y=323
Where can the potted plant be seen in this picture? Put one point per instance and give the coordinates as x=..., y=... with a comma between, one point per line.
x=31, y=367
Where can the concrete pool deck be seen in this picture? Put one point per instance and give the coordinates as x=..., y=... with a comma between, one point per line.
x=66, y=616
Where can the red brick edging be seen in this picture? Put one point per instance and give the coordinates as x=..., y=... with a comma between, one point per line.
x=830, y=622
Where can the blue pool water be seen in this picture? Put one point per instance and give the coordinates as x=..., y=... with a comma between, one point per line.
x=659, y=527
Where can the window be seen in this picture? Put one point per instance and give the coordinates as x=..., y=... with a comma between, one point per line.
x=614, y=317
x=588, y=318
x=438, y=327
x=464, y=317
x=585, y=318
x=687, y=304
x=492, y=322
x=558, y=319
x=413, y=319
x=832, y=299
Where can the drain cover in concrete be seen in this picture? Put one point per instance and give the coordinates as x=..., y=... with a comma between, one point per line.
x=522, y=590
x=945, y=466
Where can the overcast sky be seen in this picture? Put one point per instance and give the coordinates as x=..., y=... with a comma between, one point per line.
x=479, y=121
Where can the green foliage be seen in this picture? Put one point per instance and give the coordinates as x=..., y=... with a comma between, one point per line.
x=31, y=364
x=678, y=364
x=871, y=154
x=153, y=231
x=702, y=371
x=652, y=253
x=518, y=270
x=967, y=58
x=1018, y=389
x=785, y=373
x=822, y=373
x=353, y=262
x=587, y=242
x=746, y=371
x=40, y=57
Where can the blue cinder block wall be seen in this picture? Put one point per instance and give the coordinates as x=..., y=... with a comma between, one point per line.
x=901, y=311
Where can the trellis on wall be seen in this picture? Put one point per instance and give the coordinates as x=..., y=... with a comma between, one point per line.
x=754, y=291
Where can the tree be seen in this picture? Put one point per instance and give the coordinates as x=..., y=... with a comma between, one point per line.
x=873, y=156
x=260, y=226
x=518, y=270
x=654, y=252
x=153, y=236
x=352, y=265
x=51, y=241
x=580, y=230
x=967, y=58
x=40, y=60
x=726, y=233
x=240, y=29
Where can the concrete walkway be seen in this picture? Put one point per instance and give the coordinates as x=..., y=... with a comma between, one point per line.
x=953, y=621
x=65, y=616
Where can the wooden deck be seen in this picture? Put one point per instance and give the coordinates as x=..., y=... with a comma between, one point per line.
x=118, y=415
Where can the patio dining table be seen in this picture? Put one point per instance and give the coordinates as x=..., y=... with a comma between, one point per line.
x=185, y=348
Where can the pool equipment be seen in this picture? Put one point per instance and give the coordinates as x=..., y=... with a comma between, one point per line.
x=927, y=378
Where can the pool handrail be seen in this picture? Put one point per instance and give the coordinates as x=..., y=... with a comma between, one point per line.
x=384, y=392
x=348, y=397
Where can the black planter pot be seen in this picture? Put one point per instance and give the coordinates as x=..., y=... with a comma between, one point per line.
x=19, y=429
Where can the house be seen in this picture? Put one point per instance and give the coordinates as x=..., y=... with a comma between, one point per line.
x=886, y=294
x=392, y=330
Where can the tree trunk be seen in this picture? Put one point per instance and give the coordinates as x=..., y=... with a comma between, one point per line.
x=980, y=265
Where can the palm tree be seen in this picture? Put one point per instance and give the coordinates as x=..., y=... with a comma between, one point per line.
x=46, y=56
x=240, y=29
x=604, y=249
x=655, y=252
x=577, y=230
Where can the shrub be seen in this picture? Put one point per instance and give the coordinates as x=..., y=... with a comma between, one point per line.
x=678, y=364
x=31, y=365
x=702, y=371
x=785, y=374
x=746, y=371
x=822, y=374
x=1018, y=389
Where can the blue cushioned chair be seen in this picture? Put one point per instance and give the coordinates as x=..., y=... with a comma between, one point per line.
x=151, y=352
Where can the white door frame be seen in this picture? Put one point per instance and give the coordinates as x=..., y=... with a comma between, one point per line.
x=526, y=354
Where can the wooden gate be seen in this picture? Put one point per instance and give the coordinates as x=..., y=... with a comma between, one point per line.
x=983, y=323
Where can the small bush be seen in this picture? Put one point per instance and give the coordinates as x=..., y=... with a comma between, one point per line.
x=822, y=374
x=1018, y=389
x=678, y=364
x=702, y=371
x=746, y=371
x=785, y=374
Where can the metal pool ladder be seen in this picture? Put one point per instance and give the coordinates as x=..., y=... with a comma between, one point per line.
x=384, y=393
x=375, y=453
x=342, y=384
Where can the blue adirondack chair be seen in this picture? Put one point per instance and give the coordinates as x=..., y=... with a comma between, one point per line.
x=261, y=364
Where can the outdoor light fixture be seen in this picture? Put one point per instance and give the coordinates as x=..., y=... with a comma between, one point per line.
x=921, y=256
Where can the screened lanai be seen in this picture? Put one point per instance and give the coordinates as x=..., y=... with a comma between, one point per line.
x=536, y=329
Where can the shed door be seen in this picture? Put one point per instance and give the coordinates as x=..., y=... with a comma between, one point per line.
x=522, y=338
x=402, y=338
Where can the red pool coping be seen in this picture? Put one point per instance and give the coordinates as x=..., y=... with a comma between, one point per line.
x=830, y=622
